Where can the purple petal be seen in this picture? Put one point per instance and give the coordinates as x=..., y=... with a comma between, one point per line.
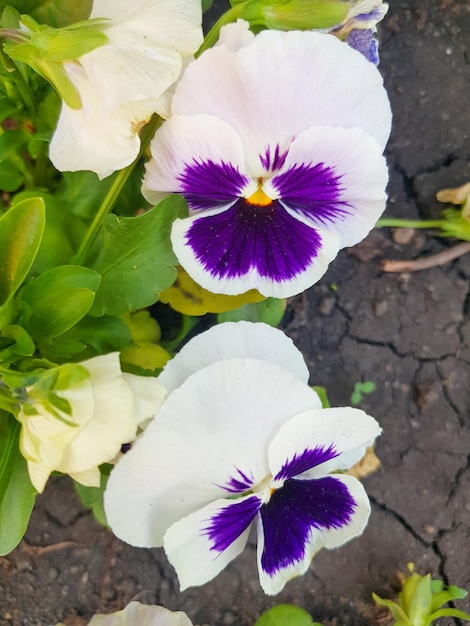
x=306, y=460
x=267, y=239
x=229, y=523
x=207, y=185
x=312, y=190
x=296, y=509
x=363, y=41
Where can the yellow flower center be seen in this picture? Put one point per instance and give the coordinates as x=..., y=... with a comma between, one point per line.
x=259, y=198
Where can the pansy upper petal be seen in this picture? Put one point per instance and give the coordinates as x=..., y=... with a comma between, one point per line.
x=283, y=83
x=174, y=24
x=248, y=247
x=200, y=157
x=302, y=517
x=334, y=178
x=201, y=545
x=142, y=615
x=234, y=340
x=321, y=441
x=207, y=442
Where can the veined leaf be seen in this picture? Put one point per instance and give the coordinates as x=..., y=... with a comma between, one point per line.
x=21, y=230
x=137, y=261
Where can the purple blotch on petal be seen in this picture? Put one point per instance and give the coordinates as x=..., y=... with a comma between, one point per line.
x=244, y=237
x=238, y=484
x=230, y=522
x=364, y=42
x=314, y=191
x=306, y=460
x=294, y=510
x=274, y=161
x=206, y=185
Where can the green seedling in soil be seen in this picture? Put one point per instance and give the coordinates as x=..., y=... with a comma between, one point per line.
x=361, y=388
x=420, y=601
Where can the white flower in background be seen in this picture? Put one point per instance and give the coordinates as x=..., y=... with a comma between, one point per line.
x=137, y=614
x=276, y=143
x=243, y=440
x=107, y=408
x=122, y=82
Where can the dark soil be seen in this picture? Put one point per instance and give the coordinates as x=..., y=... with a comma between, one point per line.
x=409, y=333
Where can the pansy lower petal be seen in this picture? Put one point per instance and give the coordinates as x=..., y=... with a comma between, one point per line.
x=206, y=443
x=249, y=247
x=323, y=82
x=302, y=517
x=335, y=178
x=200, y=157
x=320, y=441
x=234, y=340
x=203, y=543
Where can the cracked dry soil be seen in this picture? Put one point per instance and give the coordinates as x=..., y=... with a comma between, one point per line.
x=409, y=333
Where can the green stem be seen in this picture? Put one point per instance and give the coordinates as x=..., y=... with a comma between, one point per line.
x=113, y=194
x=227, y=18
x=399, y=223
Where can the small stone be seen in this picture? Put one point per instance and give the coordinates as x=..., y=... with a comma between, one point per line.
x=53, y=573
x=380, y=308
x=403, y=236
x=326, y=306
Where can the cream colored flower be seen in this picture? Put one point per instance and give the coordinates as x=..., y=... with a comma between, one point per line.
x=142, y=615
x=124, y=81
x=107, y=408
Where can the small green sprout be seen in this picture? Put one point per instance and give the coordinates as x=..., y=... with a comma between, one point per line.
x=361, y=388
x=420, y=600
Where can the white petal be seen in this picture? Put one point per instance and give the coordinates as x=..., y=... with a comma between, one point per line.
x=284, y=83
x=112, y=423
x=235, y=36
x=357, y=159
x=318, y=538
x=213, y=431
x=191, y=551
x=232, y=340
x=136, y=614
x=148, y=395
x=92, y=138
x=349, y=431
x=174, y=24
x=183, y=141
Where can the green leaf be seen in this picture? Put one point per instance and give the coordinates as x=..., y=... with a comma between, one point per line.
x=137, y=261
x=61, y=236
x=58, y=299
x=100, y=335
x=270, y=311
x=420, y=603
x=285, y=614
x=17, y=495
x=21, y=230
x=449, y=613
x=82, y=192
x=92, y=497
x=440, y=595
x=323, y=396
x=397, y=612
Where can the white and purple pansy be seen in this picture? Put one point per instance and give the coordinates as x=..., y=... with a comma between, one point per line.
x=276, y=143
x=241, y=440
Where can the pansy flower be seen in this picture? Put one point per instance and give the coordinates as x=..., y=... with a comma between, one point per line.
x=276, y=143
x=241, y=441
x=123, y=82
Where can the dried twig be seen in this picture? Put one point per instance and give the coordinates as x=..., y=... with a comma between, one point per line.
x=424, y=263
